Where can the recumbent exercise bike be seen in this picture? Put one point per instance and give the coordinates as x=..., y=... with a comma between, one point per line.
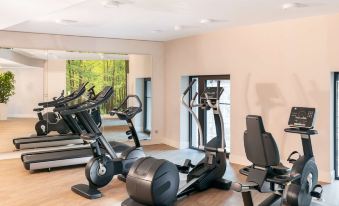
x=295, y=186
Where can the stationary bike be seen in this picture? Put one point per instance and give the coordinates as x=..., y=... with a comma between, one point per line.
x=50, y=121
x=156, y=181
x=295, y=186
x=101, y=169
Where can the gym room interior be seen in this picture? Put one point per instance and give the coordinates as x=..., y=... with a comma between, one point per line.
x=169, y=102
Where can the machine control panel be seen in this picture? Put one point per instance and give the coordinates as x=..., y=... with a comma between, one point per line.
x=302, y=117
x=212, y=93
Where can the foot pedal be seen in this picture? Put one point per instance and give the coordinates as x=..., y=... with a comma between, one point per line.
x=222, y=184
x=186, y=167
x=86, y=191
x=290, y=158
x=130, y=202
x=317, y=191
x=122, y=178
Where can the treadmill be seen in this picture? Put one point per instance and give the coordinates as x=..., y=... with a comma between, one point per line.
x=59, y=139
x=81, y=155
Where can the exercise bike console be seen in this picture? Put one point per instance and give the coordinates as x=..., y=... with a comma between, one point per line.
x=302, y=118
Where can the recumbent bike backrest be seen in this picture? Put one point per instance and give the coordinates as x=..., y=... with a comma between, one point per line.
x=260, y=147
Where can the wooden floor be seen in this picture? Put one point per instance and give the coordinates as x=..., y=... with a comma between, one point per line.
x=18, y=187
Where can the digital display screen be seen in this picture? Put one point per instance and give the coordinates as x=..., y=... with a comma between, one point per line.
x=302, y=117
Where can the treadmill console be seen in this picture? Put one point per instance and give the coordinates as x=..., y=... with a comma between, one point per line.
x=302, y=117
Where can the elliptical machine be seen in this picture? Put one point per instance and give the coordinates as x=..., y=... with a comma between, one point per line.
x=156, y=181
x=295, y=186
x=105, y=163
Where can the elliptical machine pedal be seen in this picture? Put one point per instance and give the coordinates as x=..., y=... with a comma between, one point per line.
x=87, y=191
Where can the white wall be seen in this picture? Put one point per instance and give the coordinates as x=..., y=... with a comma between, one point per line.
x=55, y=78
x=28, y=92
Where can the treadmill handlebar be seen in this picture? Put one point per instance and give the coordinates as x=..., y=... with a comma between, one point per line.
x=75, y=94
x=99, y=99
x=120, y=109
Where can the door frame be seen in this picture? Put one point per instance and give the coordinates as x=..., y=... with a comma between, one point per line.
x=145, y=105
x=335, y=121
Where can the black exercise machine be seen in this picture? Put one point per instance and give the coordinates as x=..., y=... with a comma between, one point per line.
x=63, y=123
x=80, y=155
x=295, y=186
x=105, y=163
x=156, y=181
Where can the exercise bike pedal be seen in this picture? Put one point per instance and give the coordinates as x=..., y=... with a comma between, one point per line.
x=317, y=191
x=122, y=178
x=86, y=191
x=292, y=160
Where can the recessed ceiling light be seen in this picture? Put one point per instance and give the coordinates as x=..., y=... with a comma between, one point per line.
x=115, y=3
x=156, y=31
x=66, y=21
x=293, y=5
x=208, y=21
x=205, y=21
x=178, y=27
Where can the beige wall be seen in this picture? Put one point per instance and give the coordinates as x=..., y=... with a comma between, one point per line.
x=273, y=67
x=88, y=44
x=54, y=78
x=140, y=67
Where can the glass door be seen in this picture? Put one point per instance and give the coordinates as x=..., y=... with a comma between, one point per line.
x=206, y=117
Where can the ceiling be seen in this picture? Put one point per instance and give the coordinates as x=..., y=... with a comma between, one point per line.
x=156, y=20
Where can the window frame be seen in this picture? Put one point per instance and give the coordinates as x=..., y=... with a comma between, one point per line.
x=146, y=106
x=335, y=121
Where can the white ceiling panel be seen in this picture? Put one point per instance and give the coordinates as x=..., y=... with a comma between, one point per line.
x=156, y=20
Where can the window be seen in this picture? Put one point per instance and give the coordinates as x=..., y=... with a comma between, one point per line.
x=206, y=118
x=147, y=105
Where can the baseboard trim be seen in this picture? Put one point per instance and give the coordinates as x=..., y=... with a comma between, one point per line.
x=169, y=142
x=326, y=177
x=22, y=115
x=240, y=160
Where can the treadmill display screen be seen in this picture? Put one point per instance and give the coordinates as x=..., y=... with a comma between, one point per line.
x=301, y=117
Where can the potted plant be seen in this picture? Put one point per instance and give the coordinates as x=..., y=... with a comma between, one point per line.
x=6, y=90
